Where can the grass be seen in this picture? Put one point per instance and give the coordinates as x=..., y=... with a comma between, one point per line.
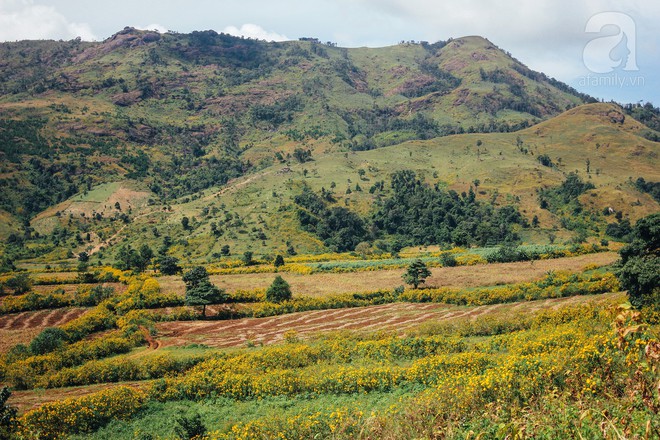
x=534, y=370
x=358, y=348
x=160, y=418
x=320, y=284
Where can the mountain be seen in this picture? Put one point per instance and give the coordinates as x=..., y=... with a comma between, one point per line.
x=120, y=140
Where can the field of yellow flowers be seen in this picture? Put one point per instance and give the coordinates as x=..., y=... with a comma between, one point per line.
x=575, y=371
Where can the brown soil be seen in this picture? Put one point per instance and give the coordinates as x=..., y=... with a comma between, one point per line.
x=322, y=284
x=389, y=317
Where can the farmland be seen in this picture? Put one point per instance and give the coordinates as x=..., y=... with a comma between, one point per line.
x=209, y=237
x=344, y=358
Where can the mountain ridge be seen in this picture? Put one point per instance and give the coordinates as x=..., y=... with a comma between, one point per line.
x=166, y=117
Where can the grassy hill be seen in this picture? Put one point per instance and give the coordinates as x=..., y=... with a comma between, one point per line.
x=506, y=164
x=122, y=139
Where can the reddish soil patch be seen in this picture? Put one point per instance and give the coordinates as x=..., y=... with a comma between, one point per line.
x=388, y=317
x=21, y=328
x=39, y=319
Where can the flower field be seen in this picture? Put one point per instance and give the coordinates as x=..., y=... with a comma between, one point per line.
x=553, y=357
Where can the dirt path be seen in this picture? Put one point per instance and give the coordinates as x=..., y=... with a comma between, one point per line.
x=110, y=240
x=389, y=317
x=231, y=185
x=153, y=343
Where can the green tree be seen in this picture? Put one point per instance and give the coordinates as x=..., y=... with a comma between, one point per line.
x=168, y=265
x=50, y=339
x=130, y=259
x=185, y=222
x=416, y=273
x=247, y=258
x=279, y=261
x=146, y=254
x=7, y=415
x=278, y=291
x=224, y=250
x=640, y=263
x=200, y=291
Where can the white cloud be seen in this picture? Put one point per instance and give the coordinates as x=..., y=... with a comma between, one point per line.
x=153, y=27
x=24, y=20
x=250, y=30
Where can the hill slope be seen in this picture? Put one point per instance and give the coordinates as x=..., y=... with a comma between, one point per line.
x=120, y=140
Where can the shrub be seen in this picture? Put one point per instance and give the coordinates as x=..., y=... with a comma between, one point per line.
x=50, y=339
x=7, y=415
x=55, y=420
x=448, y=260
x=278, y=291
x=188, y=428
x=20, y=283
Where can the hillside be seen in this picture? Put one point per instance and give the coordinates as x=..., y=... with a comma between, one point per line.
x=122, y=139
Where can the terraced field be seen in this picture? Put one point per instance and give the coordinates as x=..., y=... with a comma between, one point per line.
x=397, y=317
x=20, y=328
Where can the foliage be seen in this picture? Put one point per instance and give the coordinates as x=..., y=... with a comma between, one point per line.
x=200, y=291
x=416, y=273
x=653, y=188
x=20, y=283
x=131, y=259
x=339, y=228
x=8, y=422
x=419, y=214
x=50, y=339
x=191, y=427
x=278, y=291
x=640, y=261
x=168, y=265
x=56, y=420
x=520, y=369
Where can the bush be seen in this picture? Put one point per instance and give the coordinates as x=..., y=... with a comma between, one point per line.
x=21, y=283
x=7, y=415
x=50, y=339
x=71, y=416
x=448, y=260
x=640, y=261
x=278, y=291
x=188, y=428
x=168, y=265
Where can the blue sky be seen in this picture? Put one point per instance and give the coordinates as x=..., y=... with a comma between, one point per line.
x=609, y=49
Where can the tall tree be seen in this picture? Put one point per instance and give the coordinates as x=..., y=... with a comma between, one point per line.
x=200, y=291
x=417, y=273
x=640, y=263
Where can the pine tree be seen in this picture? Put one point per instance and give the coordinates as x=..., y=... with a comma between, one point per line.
x=416, y=273
x=200, y=291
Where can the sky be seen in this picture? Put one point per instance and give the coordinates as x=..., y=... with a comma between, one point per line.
x=609, y=49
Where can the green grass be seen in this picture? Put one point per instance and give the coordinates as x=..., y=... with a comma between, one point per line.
x=159, y=419
x=99, y=194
